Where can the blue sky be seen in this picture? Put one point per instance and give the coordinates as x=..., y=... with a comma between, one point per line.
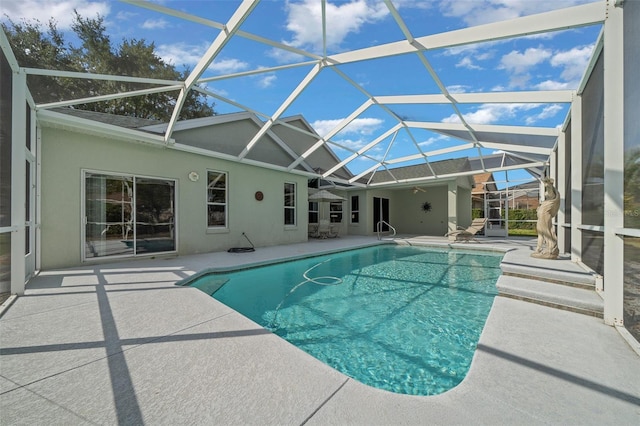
x=544, y=62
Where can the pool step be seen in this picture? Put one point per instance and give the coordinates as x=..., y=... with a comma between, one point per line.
x=560, y=296
x=569, y=274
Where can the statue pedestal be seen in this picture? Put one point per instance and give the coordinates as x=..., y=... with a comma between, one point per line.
x=539, y=255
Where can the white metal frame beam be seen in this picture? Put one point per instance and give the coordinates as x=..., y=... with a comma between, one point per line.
x=614, y=165
x=344, y=123
x=120, y=95
x=362, y=150
x=465, y=173
x=560, y=177
x=283, y=107
x=543, y=96
x=572, y=17
x=18, y=182
x=576, y=178
x=90, y=76
x=213, y=24
x=233, y=25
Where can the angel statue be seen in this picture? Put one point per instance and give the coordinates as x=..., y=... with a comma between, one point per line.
x=547, y=240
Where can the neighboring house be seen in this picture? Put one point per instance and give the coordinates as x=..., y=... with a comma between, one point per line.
x=112, y=188
x=483, y=185
x=525, y=196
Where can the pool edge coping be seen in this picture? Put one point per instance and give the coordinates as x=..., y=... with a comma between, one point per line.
x=185, y=282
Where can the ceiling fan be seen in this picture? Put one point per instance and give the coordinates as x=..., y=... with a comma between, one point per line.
x=416, y=189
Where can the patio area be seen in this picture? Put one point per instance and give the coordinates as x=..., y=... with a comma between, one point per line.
x=120, y=343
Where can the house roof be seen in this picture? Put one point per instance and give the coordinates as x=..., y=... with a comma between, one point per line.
x=418, y=172
x=483, y=182
x=116, y=120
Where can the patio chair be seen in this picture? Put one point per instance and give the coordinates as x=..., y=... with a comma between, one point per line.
x=326, y=230
x=468, y=234
x=313, y=230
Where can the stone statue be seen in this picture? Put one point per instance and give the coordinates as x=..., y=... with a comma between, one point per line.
x=547, y=240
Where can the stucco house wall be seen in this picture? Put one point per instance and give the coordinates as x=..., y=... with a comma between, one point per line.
x=464, y=202
x=409, y=218
x=359, y=228
x=405, y=209
x=463, y=205
x=65, y=154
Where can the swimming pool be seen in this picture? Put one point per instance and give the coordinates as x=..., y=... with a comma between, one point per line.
x=401, y=318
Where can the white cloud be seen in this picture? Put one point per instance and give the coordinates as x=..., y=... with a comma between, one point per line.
x=190, y=54
x=491, y=113
x=573, y=62
x=553, y=85
x=433, y=140
x=154, y=24
x=228, y=65
x=484, y=11
x=467, y=62
x=266, y=80
x=60, y=11
x=354, y=136
x=284, y=56
x=547, y=112
x=322, y=127
x=181, y=53
x=458, y=88
x=520, y=63
x=125, y=16
x=352, y=144
x=304, y=20
x=359, y=126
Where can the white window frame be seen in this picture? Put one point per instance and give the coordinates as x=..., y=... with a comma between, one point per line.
x=83, y=215
x=226, y=200
x=354, y=211
x=293, y=207
x=315, y=211
x=336, y=213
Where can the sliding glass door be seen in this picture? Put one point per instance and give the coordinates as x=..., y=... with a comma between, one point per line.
x=154, y=206
x=380, y=214
x=128, y=215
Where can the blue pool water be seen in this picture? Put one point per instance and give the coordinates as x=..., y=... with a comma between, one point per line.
x=405, y=319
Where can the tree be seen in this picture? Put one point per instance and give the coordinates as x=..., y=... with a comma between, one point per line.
x=37, y=46
x=632, y=188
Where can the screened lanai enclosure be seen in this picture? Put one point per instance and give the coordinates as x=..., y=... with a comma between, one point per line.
x=415, y=125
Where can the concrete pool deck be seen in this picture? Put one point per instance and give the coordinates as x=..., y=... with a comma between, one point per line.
x=119, y=343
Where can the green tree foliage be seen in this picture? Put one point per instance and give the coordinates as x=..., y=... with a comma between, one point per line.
x=39, y=46
x=632, y=188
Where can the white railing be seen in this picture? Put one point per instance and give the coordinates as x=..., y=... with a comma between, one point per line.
x=379, y=229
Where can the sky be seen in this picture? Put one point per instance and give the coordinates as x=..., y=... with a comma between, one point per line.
x=553, y=61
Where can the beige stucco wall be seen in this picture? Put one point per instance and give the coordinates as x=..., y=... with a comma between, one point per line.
x=409, y=218
x=359, y=228
x=405, y=209
x=65, y=154
x=464, y=206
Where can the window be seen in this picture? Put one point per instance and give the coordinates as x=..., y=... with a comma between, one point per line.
x=289, y=203
x=216, y=199
x=355, y=209
x=335, y=211
x=313, y=212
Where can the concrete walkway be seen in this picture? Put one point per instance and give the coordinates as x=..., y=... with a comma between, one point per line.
x=119, y=343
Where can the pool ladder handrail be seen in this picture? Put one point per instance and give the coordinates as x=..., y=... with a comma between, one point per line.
x=379, y=228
